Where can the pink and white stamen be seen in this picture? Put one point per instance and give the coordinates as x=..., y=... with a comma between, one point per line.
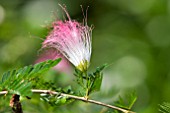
x=73, y=40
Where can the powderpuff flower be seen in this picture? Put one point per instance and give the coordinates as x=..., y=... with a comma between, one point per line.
x=73, y=40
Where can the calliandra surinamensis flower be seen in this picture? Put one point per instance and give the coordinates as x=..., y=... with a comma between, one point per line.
x=73, y=40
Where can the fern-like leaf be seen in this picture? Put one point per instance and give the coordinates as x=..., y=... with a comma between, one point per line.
x=127, y=102
x=19, y=81
x=165, y=107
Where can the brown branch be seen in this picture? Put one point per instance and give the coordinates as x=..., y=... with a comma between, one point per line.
x=77, y=98
x=15, y=104
x=82, y=99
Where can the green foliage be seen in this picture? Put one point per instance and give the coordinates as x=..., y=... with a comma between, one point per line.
x=89, y=82
x=39, y=83
x=58, y=100
x=20, y=81
x=165, y=107
x=96, y=79
x=127, y=102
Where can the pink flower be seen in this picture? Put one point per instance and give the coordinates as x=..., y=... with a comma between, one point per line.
x=73, y=40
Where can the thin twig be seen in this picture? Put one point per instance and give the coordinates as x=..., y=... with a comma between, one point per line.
x=77, y=98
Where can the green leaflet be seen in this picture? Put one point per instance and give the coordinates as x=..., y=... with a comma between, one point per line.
x=58, y=100
x=127, y=102
x=19, y=81
x=89, y=82
x=165, y=107
x=96, y=79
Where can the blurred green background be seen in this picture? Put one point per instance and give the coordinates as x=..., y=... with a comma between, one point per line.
x=131, y=35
